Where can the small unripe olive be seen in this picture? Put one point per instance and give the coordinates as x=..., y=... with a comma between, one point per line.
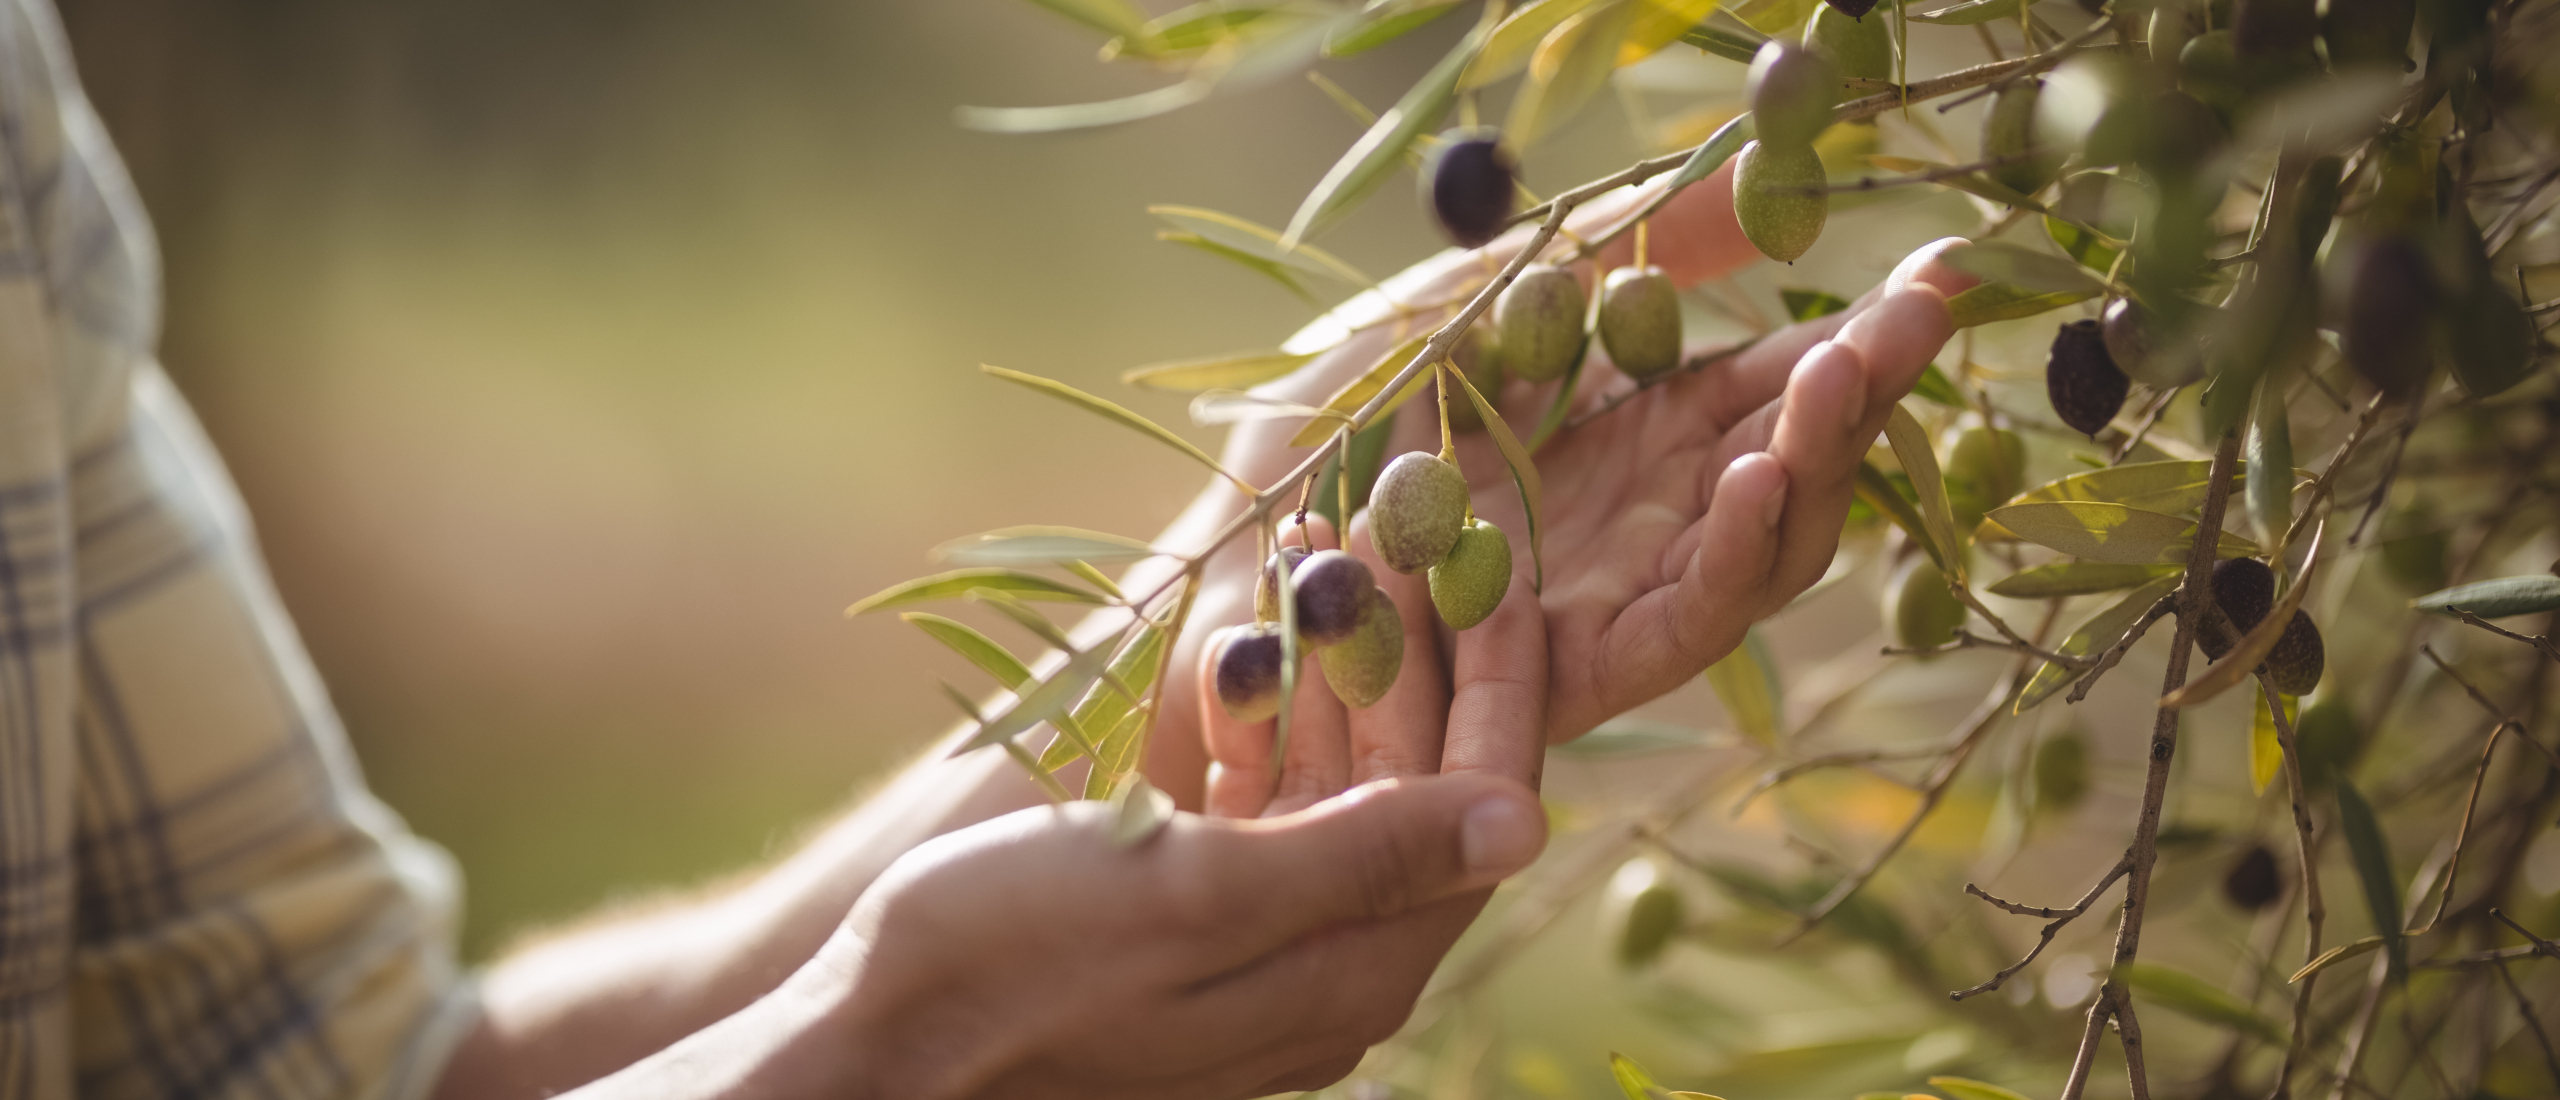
x=1416, y=511
x=2009, y=136
x=1247, y=670
x=1921, y=612
x=1266, y=595
x=1853, y=46
x=2081, y=379
x=1984, y=469
x=1653, y=915
x=2368, y=32
x=1539, y=323
x=2413, y=549
x=1477, y=356
x=1362, y=667
x=2245, y=590
x=1778, y=198
x=2488, y=339
x=1469, y=186
x=1468, y=584
x=2295, y=664
x=2390, y=300
x=2327, y=735
x=2253, y=882
x=1640, y=321
x=2062, y=771
x=1791, y=90
x=1333, y=590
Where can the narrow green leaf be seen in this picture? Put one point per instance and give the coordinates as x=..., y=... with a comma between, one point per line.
x=1107, y=16
x=1966, y=1088
x=1240, y=407
x=1725, y=42
x=1969, y=13
x=1023, y=616
x=1114, y=758
x=1260, y=241
x=1524, y=475
x=1105, y=712
x=2497, y=599
x=1044, y=701
x=1806, y=305
x=1880, y=493
x=2077, y=578
x=1631, y=1078
x=1660, y=23
x=2336, y=955
x=2080, y=243
x=1570, y=67
x=2373, y=868
x=1082, y=116
x=1623, y=736
x=1138, y=811
x=1094, y=577
x=1112, y=411
x=982, y=651
x=1219, y=372
x=2192, y=996
x=2173, y=488
x=2269, y=473
x=1717, y=149
x=1508, y=49
x=1348, y=401
x=1269, y=269
x=2026, y=268
x=959, y=582
x=2093, y=636
x=1746, y=682
x=1911, y=445
x=1933, y=387
x=1196, y=27
x=2007, y=302
x=2112, y=532
x=1382, y=23
x=1372, y=158
x=1041, y=546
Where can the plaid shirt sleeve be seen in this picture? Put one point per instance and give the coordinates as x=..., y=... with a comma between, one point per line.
x=198, y=897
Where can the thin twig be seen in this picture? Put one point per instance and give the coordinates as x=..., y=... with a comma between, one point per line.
x=2479, y=778
x=2524, y=1008
x=2315, y=910
x=2541, y=946
x=1778, y=776
x=2150, y=417
x=2115, y=653
x=2504, y=717
x=1966, y=639
x=2541, y=642
x=1691, y=365
x=2058, y=917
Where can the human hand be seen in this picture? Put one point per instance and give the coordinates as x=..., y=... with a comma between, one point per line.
x=1028, y=957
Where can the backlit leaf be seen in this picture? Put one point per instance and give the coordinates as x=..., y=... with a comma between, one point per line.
x=2112, y=532
x=1044, y=701
x=1524, y=474
x=1746, y=682
x=1806, y=305
x=2175, y=488
x=959, y=582
x=1357, y=393
x=1718, y=148
x=2080, y=244
x=2266, y=750
x=1138, y=811
x=1879, y=492
x=981, y=650
x=1934, y=388
x=1269, y=269
x=1508, y=49
x=1083, y=116
x=1239, y=407
x=1970, y=13
x=2192, y=996
x=1113, y=411
x=1251, y=368
x=2269, y=469
x=1725, y=42
x=2092, y=637
x=2496, y=599
x=1569, y=67
x=1372, y=158
x=1911, y=446
x=1106, y=712
x=1381, y=23
x=2007, y=302
x=1255, y=240
x=1107, y=16
x=2078, y=578
x=2373, y=869
x=2026, y=268
x=1632, y=1079
x=1660, y=24
x=1966, y=1088
x=1041, y=546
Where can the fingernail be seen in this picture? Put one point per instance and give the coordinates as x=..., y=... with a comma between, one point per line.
x=1772, y=507
x=1500, y=835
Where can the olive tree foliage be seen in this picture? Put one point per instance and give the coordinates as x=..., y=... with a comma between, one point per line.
x=2296, y=442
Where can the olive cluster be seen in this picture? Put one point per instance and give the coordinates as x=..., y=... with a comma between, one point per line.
x=2244, y=592
x=1778, y=181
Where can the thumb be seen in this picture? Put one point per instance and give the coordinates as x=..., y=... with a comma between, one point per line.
x=1374, y=851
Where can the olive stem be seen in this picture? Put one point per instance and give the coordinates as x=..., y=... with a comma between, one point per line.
x=1965, y=639
x=2315, y=910
x=1693, y=364
x=2479, y=778
x=2541, y=642
x=2014, y=641
x=2058, y=918
x=2115, y=653
x=2524, y=1009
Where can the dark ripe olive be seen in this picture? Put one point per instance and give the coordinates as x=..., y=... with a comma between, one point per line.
x=1853, y=46
x=2081, y=379
x=2272, y=29
x=2245, y=589
x=1778, y=198
x=1416, y=511
x=2253, y=882
x=1471, y=192
x=1791, y=91
x=2327, y=735
x=1854, y=9
x=2062, y=771
x=1538, y=320
x=1362, y=667
x=2009, y=137
x=1333, y=591
x=2214, y=633
x=1266, y=595
x=1468, y=584
x=1640, y=321
x=1247, y=663
x=2369, y=32
x=2390, y=299
x=2297, y=661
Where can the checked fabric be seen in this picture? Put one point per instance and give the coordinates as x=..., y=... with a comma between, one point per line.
x=198, y=897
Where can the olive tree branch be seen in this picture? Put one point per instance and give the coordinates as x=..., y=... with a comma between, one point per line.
x=2058, y=917
x=2114, y=654
x=2541, y=642
x=2016, y=642
x=1777, y=776
x=2524, y=1008
x=2315, y=910
x=2541, y=946
x=1966, y=639
x=2479, y=778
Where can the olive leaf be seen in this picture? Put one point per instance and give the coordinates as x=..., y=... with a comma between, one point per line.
x=1115, y=412
x=2266, y=749
x=1083, y=116
x=2025, y=268
x=959, y=582
x=1911, y=445
x=1041, y=546
x=1524, y=475
x=2077, y=578
x=1880, y=493
x=982, y=651
x=1237, y=407
x=1726, y=42
x=2336, y=955
x=2174, y=487
x=1107, y=711
x=2007, y=302
x=1660, y=23
x=1507, y=50
x=2094, y=635
x=1746, y=682
x=2192, y=996
x=1237, y=371
x=1570, y=66
x=1094, y=577
x=1807, y=305
x=1230, y=231
x=1712, y=153
x=2080, y=243
x=1269, y=269
x=1042, y=702
x=1966, y=1088
x=2496, y=599
x=2373, y=869
x=1382, y=22
x=1372, y=158
x=1196, y=27
x=1934, y=388
x=2099, y=531
x=1970, y=13
x=1638, y=1085
x=1355, y=394
x=2268, y=473
x=1113, y=758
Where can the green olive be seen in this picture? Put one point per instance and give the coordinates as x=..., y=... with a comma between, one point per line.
x=1362, y=667
x=1640, y=321
x=1853, y=46
x=1469, y=584
x=2061, y=771
x=1791, y=90
x=1778, y=198
x=2009, y=137
x=1538, y=322
x=1416, y=511
x=1986, y=467
x=1919, y=608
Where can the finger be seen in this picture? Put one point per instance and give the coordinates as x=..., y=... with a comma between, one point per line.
x=1498, y=689
x=1316, y=764
x=1694, y=237
x=1378, y=851
x=1821, y=435
x=1401, y=733
x=1343, y=988
x=1728, y=392
x=1671, y=634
